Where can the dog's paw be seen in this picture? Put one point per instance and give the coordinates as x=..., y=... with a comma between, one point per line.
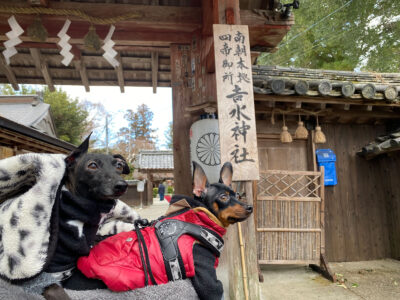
x=55, y=292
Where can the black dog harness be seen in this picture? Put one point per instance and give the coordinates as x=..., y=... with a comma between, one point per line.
x=168, y=232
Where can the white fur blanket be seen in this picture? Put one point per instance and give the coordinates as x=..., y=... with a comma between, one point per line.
x=182, y=289
x=29, y=187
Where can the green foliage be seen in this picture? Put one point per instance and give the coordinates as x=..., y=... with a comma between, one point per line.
x=69, y=115
x=139, y=134
x=7, y=89
x=362, y=35
x=130, y=175
x=169, y=136
x=139, y=123
x=170, y=190
x=155, y=192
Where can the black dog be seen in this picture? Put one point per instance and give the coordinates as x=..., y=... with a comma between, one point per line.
x=92, y=183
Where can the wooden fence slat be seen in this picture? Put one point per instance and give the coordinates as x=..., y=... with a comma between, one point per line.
x=288, y=262
x=294, y=199
x=285, y=172
x=322, y=209
x=289, y=229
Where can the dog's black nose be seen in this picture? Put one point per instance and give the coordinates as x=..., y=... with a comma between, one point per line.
x=249, y=208
x=120, y=187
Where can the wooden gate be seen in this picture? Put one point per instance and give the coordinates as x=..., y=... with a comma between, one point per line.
x=290, y=217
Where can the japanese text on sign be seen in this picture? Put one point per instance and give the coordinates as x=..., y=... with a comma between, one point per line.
x=235, y=100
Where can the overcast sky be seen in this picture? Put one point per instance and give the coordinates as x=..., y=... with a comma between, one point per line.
x=116, y=103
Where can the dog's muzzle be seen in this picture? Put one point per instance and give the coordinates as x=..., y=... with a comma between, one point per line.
x=120, y=187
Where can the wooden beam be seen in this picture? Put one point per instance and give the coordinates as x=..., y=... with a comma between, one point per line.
x=345, y=114
x=101, y=82
x=121, y=38
x=321, y=100
x=267, y=28
x=25, y=142
x=43, y=3
x=41, y=67
x=154, y=70
x=163, y=60
x=209, y=18
x=164, y=17
x=6, y=69
x=81, y=68
x=179, y=18
x=120, y=74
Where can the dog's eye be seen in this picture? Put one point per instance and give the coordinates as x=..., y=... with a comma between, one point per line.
x=92, y=166
x=224, y=197
x=119, y=166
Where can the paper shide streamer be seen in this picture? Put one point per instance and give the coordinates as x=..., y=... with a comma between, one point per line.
x=63, y=43
x=109, y=52
x=13, y=39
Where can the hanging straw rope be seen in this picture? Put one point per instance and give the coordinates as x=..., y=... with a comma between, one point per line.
x=286, y=137
x=319, y=135
x=301, y=132
x=300, y=111
x=68, y=12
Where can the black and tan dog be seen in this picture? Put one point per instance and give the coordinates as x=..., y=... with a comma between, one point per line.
x=198, y=222
x=92, y=183
x=219, y=198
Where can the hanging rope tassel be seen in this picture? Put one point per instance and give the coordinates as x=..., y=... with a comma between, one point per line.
x=36, y=31
x=92, y=40
x=301, y=131
x=286, y=137
x=319, y=135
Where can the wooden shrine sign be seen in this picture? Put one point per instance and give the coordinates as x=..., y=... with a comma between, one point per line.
x=236, y=116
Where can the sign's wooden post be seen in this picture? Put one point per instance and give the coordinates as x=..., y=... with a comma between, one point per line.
x=238, y=140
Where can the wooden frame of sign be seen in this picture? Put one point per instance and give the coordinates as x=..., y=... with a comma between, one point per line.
x=237, y=127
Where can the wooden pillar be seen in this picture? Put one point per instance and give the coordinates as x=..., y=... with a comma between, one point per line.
x=149, y=199
x=181, y=97
x=6, y=152
x=250, y=245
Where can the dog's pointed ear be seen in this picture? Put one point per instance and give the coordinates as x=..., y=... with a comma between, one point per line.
x=126, y=169
x=225, y=176
x=200, y=182
x=82, y=149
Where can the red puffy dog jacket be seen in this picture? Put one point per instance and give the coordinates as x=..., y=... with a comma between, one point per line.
x=117, y=262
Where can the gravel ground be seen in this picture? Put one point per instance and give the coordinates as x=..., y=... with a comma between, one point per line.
x=370, y=280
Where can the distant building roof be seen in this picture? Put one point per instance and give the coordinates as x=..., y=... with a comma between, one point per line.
x=31, y=139
x=155, y=160
x=27, y=110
